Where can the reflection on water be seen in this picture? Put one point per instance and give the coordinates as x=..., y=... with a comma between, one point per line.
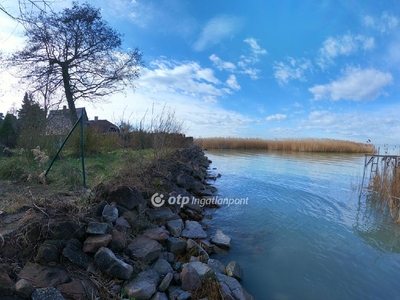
x=305, y=234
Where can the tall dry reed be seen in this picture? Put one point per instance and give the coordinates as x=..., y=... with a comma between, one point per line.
x=298, y=145
x=385, y=184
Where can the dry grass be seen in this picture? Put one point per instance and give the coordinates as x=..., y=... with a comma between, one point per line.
x=298, y=145
x=385, y=185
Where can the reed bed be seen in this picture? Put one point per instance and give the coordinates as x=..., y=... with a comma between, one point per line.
x=297, y=145
x=385, y=188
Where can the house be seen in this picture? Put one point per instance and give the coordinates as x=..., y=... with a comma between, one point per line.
x=103, y=126
x=59, y=121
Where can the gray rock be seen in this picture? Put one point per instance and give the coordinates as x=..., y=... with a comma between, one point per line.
x=63, y=230
x=175, y=227
x=111, y=265
x=118, y=241
x=47, y=293
x=176, y=293
x=221, y=240
x=6, y=284
x=190, y=278
x=73, y=252
x=159, y=234
x=50, y=251
x=127, y=197
x=217, y=266
x=23, y=288
x=110, y=213
x=123, y=223
x=143, y=286
x=206, y=193
x=164, y=285
x=195, y=249
x=98, y=228
x=169, y=257
x=232, y=289
x=43, y=276
x=161, y=215
x=94, y=243
x=233, y=269
x=193, y=230
x=203, y=270
x=162, y=267
x=144, y=248
x=176, y=245
x=159, y=296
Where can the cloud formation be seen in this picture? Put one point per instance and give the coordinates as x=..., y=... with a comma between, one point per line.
x=276, y=117
x=222, y=65
x=384, y=24
x=293, y=69
x=355, y=85
x=344, y=45
x=216, y=30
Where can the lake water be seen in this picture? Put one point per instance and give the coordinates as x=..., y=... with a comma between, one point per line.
x=305, y=232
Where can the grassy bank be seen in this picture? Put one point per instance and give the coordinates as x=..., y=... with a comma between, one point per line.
x=298, y=145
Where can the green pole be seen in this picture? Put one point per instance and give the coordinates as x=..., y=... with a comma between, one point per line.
x=83, y=146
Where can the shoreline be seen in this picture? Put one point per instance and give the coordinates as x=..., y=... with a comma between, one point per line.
x=148, y=250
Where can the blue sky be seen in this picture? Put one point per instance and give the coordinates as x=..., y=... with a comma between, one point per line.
x=265, y=69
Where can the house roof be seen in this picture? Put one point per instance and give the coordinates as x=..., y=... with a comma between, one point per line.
x=103, y=125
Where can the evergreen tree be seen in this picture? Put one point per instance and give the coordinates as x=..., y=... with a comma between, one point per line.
x=31, y=122
x=1, y=118
x=8, y=131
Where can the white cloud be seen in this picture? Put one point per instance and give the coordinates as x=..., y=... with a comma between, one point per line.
x=277, y=117
x=216, y=30
x=355, y=84
x=232, y=83
x=384, y=24
x=294, y=69
x=222, y=65
x=255, y=48
x=343, y=45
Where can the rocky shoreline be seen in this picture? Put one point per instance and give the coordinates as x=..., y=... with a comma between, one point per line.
x=147, y=242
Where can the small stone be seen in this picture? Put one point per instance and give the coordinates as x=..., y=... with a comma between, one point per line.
x=111, y=265
x=217, y=266
x=144, y=248
x=193, y=230
x=94, y=243
x=47, y=293
x=144, y=285
x=175, y=227
x=190, y=278
x=110, y=213
x=73, y=252
x=221, y=240
x=177, y=293
x=162, y=267
x=23, y=288
x=98, y=228
x=176, y=246
x=159, y=296
x=158, y=234
x=233, y=269
x=165, y=282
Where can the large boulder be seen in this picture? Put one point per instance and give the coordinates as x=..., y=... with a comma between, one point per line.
x=127, y=197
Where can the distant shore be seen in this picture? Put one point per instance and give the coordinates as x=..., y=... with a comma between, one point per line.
x=297, y=145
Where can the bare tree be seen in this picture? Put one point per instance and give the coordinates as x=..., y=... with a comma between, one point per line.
x=25, y=7
x=76, y=51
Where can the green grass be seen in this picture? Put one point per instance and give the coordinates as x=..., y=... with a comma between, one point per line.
x=66, y=171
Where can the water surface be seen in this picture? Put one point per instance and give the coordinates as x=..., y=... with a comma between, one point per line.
x=305, y=233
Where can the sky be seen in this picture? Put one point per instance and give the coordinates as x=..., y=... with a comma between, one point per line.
x=254, y=69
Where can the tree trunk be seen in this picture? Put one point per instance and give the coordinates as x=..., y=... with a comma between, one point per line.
x=68, y=93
